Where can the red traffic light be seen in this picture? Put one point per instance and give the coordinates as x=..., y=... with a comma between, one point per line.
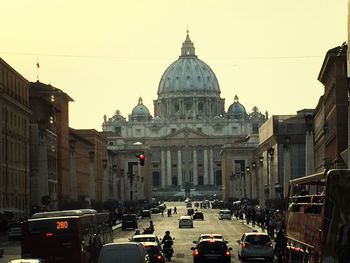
x=142, y=159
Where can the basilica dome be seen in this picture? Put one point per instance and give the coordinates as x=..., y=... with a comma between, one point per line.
x=140, y=112
x=188, y=76
x=236, y=110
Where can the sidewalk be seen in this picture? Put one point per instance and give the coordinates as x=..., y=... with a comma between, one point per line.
x=253, y=228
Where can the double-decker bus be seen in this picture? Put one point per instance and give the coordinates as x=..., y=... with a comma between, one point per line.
x=66, y=236
x=318, y=218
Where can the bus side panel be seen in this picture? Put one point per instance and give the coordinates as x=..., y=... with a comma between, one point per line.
x=336, y=227
x=304, y=227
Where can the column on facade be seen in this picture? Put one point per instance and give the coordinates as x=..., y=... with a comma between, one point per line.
x=262, y=179
x=105, y=184
x=163, y=167
x=287, y=170
x=179, y=167
x=309, y=151
x=92, y=179
x=253, y=183
x=272, y=192
x=43, y=174
x=168, y=166
x=211, y=166
x=205, y=167
x=73, y=187
x=195, y=168
x=248, y=182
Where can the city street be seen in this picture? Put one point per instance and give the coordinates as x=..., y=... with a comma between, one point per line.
x=231, y=230
x=184, y=237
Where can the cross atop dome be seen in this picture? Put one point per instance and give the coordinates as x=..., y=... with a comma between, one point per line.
x=187, y=47
x=140, y=101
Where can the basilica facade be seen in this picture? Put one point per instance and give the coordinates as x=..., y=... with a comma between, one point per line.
x=189, y=132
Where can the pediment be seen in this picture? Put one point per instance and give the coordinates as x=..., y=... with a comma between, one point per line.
x=190, y=133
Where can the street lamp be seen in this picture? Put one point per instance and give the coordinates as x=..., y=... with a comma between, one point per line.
x=247, y=169
x=253, y=165
x=261, y=160
x=286, y=144
x=104, y=163
x=271, y=152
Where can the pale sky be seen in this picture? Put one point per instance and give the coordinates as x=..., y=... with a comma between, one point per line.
x=107, y=54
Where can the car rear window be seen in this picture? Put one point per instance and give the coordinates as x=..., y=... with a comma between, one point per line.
x=129, y=217
x=257, y=239
x=215, y=246
x=144, y=239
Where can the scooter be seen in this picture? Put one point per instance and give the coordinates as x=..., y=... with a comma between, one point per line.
x=168, y=249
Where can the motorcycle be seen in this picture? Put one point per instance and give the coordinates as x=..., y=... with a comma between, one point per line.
x=168, y=249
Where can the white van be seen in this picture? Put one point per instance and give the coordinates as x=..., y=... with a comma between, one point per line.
x=123, y=252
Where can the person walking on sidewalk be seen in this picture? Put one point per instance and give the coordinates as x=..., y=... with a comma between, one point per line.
x=175, y=210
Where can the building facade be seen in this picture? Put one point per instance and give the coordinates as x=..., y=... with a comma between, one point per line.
x=189, y=128
x=14, y=141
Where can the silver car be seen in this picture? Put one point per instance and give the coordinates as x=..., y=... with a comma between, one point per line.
x=225, y=214
x=255, y=245
x=185, y=221
x=123, y=252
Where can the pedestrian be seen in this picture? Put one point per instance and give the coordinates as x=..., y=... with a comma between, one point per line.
x=175, y=211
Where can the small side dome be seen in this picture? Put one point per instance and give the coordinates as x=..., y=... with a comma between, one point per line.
x=236, y=110
x=256, y=115
x=140, y=112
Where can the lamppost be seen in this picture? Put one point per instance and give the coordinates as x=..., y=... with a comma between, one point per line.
x=309, y=144
x=287, y=168
x=249, y=178
x=73, y=170
x=92, y=176
x=271, y=152
x=105, y=182
x=255, y=184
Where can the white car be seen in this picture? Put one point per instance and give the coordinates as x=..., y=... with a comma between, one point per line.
x=255, y=245
x=225, y=214
x=185, y=221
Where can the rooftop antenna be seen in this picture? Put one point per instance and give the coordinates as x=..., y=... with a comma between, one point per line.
x=37, y=68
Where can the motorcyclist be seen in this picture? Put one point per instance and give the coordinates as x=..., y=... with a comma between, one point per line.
x=280, y=246
x=167, y=242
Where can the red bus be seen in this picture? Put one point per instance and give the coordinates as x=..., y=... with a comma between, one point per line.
x=66, y=236
x=318, y=218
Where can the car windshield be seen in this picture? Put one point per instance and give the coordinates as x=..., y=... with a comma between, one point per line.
x=257, y=239
x=129, y=217
x=212, y=246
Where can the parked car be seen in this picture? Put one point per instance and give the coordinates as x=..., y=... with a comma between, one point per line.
x=155, y=210
x=225, y=214
x=185, y=221
x=123, y=252
x=189, y=204
x=255, y=245
x=129, y=221
x=211, y=250
x=146, y=213
x=15, y=231
x=198, y=215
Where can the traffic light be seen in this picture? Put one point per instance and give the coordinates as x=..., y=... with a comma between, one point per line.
x=142, y=159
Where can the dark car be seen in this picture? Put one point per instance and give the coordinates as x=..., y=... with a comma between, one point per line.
x=146, y=213
x=155, y=210
x=129, y=221
x=154, y=251
x=198, y=215
x=15, y=231
x=211, y=250
x=190, y=211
